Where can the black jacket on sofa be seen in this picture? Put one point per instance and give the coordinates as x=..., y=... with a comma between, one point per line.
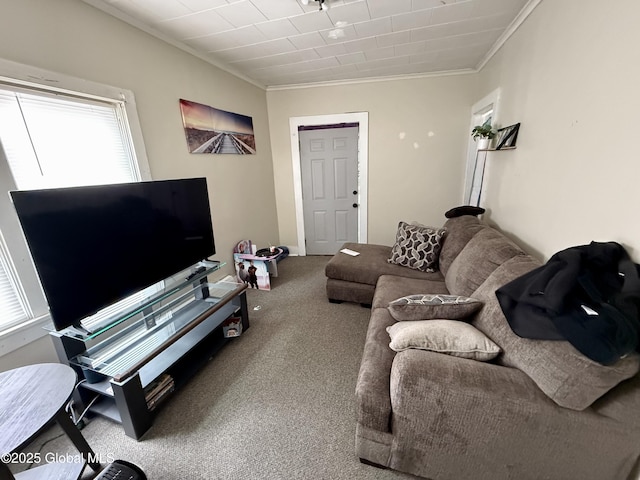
x=588, y=295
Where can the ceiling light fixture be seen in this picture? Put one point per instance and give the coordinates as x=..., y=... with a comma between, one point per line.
x=323, y=6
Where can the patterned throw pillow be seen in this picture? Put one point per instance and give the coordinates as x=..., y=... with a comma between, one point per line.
x=443, y=336
x=417, y=247
x=427, y=307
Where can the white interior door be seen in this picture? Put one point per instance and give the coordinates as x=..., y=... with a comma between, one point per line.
x=329, y=170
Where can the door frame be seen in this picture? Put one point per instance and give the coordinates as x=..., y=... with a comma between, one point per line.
x=492, y=100
x=362, y=119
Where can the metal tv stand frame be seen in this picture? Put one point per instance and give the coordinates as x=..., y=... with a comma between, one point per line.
x=132, y=360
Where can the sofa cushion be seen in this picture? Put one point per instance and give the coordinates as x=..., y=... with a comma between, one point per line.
x=459, y=231
x=442, y=336
x=417, y=247
x=370, y=265
x=565, y=375
x=487, y=250
x=431, y=306
x=391, y=287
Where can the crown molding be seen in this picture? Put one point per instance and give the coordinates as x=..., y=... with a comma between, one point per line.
x=101, y=5
x=510, y=30
x=333, y=83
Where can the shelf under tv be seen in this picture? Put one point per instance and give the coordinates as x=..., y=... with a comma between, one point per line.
x=170, y=335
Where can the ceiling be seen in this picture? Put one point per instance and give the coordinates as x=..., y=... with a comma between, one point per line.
x=278, y=43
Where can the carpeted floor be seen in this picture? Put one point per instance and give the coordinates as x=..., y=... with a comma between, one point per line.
x=276, y=403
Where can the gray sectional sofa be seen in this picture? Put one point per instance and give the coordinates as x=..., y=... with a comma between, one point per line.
x=539, y=410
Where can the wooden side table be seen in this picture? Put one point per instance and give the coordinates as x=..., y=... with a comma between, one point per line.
x=30, y=398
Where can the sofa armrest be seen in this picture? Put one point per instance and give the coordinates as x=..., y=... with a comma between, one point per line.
x=373, y=404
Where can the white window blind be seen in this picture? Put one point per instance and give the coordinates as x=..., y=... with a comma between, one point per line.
x=53, y=140
x=12, y=307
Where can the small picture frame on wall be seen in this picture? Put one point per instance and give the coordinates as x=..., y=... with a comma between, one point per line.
x=507, y=136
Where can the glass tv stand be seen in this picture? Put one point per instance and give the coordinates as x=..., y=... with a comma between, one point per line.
x=133, y=355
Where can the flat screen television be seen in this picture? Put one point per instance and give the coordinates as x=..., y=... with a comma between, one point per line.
x=93, y=246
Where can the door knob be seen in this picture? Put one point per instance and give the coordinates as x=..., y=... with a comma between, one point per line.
x=355, y=205
x=355, y=192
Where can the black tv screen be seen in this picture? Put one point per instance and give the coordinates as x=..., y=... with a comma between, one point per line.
x=93, y=246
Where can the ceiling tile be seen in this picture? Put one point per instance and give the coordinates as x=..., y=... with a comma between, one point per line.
x=241, y=14
x=196, y=25
x=386, y=52
x=361, y=45
x=231, y=39
x=424, y=57
x=350, y=13
x=371, y=28
x=331, y=50
x=277, y=29
x=486, y=7
x=344, y=69
x=311, y=22
x=274, y=10
x=391, y=39
x=406, y=21
x=384, y=63
x=436, y=31
x=424, y=4
x=307, y=40
x=386, y=8
x=352, y=58
x=410, y=48
x=317, y=64
x=451, y=13
x=271, y=47
x=339, y=35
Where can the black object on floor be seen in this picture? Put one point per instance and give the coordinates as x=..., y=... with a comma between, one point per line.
x=121, y=470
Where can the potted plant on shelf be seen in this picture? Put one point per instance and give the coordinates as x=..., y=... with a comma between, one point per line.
x=483, y=135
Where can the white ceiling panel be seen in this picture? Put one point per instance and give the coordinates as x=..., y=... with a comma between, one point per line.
x=408, y=21
x=283, y=42
x=277, y=29
x=380, y=53
x=361, y=45
x=195, y=25
x=241, y=14
x=308, y=40
x=352, y=58
x=386, y=8
x=379, y=26
x=331, y=50
x=312, y=22
x=391, y=39
x=454, y=12
x=350, y=13
x=277, y=9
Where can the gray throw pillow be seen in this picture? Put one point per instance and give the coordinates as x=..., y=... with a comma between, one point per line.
x=450, y=337
x=427, y=307
x=417, y=247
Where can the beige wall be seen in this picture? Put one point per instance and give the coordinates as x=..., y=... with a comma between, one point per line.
x=570, y=75
x=73, y=38
x=406, y=181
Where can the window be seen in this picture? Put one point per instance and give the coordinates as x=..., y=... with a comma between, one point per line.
x=52, y=138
